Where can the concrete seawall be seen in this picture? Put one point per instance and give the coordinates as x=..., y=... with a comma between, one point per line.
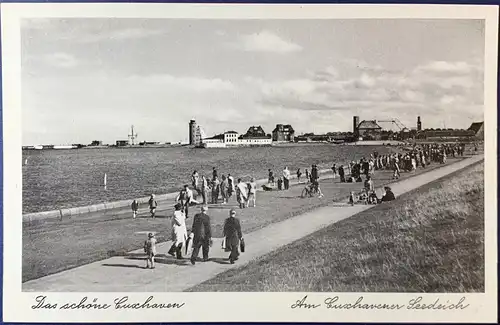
x=69, y=213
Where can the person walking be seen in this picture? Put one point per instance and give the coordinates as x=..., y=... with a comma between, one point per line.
x=230, y=188
x=204, y=189
x=368, y=187
x=280, y=183
x=233, y=235
x=135, y=208
x=195, y=182
x=299, y=173
x=214, y=173
x=179, y=232
x=396, y=171
x=224, y=185
x=308, y=176
x=152, y=205
x=341, y=174
x=334, y=170
x=185, y=197
x=215, y=190
x=270, y=179
x=314, y=174
x=252, y=193
x=150, y=250
x=241, y=193
x=286, y=178
x=202, y=235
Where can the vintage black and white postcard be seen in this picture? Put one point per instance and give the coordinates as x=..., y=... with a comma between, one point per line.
x=300, y=163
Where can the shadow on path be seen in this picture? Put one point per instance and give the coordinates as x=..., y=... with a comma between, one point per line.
x=124, y=265
x=172, y=261
x=219, y=260
x=125, y=254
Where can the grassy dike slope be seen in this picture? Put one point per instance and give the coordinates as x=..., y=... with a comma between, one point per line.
x=428, y=240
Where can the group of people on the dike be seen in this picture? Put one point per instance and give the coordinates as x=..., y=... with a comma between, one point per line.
x=222, y=188
x=217, y=190
x=200, y=237
x=415, y=157
x=283, y=182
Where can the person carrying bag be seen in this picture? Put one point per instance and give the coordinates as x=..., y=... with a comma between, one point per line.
x=233, y=236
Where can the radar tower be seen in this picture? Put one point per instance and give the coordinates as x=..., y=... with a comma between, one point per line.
x=132, y=136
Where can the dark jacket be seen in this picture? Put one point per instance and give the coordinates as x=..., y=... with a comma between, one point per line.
x=152, y=203
x=314, y=173
x=201, y=227
x=389, y=196
x=232, y=231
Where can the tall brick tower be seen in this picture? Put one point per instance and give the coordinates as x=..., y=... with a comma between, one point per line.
x=192, y=132
x=355, y=123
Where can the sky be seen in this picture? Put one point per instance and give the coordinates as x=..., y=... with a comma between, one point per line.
x=87, y=79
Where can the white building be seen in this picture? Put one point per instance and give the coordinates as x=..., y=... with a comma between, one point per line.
x=233, y=139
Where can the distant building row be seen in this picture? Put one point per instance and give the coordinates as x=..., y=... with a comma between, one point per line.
x=371, y=130
x=255, y=136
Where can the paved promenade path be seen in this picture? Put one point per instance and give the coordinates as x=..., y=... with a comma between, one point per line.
x=126, y=273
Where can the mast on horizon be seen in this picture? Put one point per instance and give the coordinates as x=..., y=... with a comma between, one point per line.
x=132, y=136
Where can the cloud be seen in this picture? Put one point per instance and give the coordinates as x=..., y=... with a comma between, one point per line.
x=194, y=84
x=266, y=41
x=61, y=60
x=446, y=67
x=119, y=34
x=457, y=87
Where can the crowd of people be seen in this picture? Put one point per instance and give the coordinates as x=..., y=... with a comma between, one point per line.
x=415, y=157
x=217, y=190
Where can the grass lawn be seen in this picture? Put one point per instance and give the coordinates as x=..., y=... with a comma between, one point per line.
x=428, y=240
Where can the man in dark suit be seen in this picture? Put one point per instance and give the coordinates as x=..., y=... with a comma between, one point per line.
x=232, y=232
x=202, y=235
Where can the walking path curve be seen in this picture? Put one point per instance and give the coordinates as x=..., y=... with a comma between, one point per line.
x=127, y=273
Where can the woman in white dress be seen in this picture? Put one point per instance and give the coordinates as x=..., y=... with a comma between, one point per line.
x=179, y=232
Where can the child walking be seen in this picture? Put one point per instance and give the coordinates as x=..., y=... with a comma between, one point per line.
x=150, y=250
x=252, y=193
x=351, y=198
x=152, y=205
x=135, y=208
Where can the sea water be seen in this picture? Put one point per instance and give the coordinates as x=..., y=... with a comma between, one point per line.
x=56, y=179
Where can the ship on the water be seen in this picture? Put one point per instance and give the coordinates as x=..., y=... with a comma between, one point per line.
x=52, y=147
x=65, y=147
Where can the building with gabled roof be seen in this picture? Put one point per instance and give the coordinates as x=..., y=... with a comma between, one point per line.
x=478, y=129
x=255, y=131
x=369, y=128
x=283, y=133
